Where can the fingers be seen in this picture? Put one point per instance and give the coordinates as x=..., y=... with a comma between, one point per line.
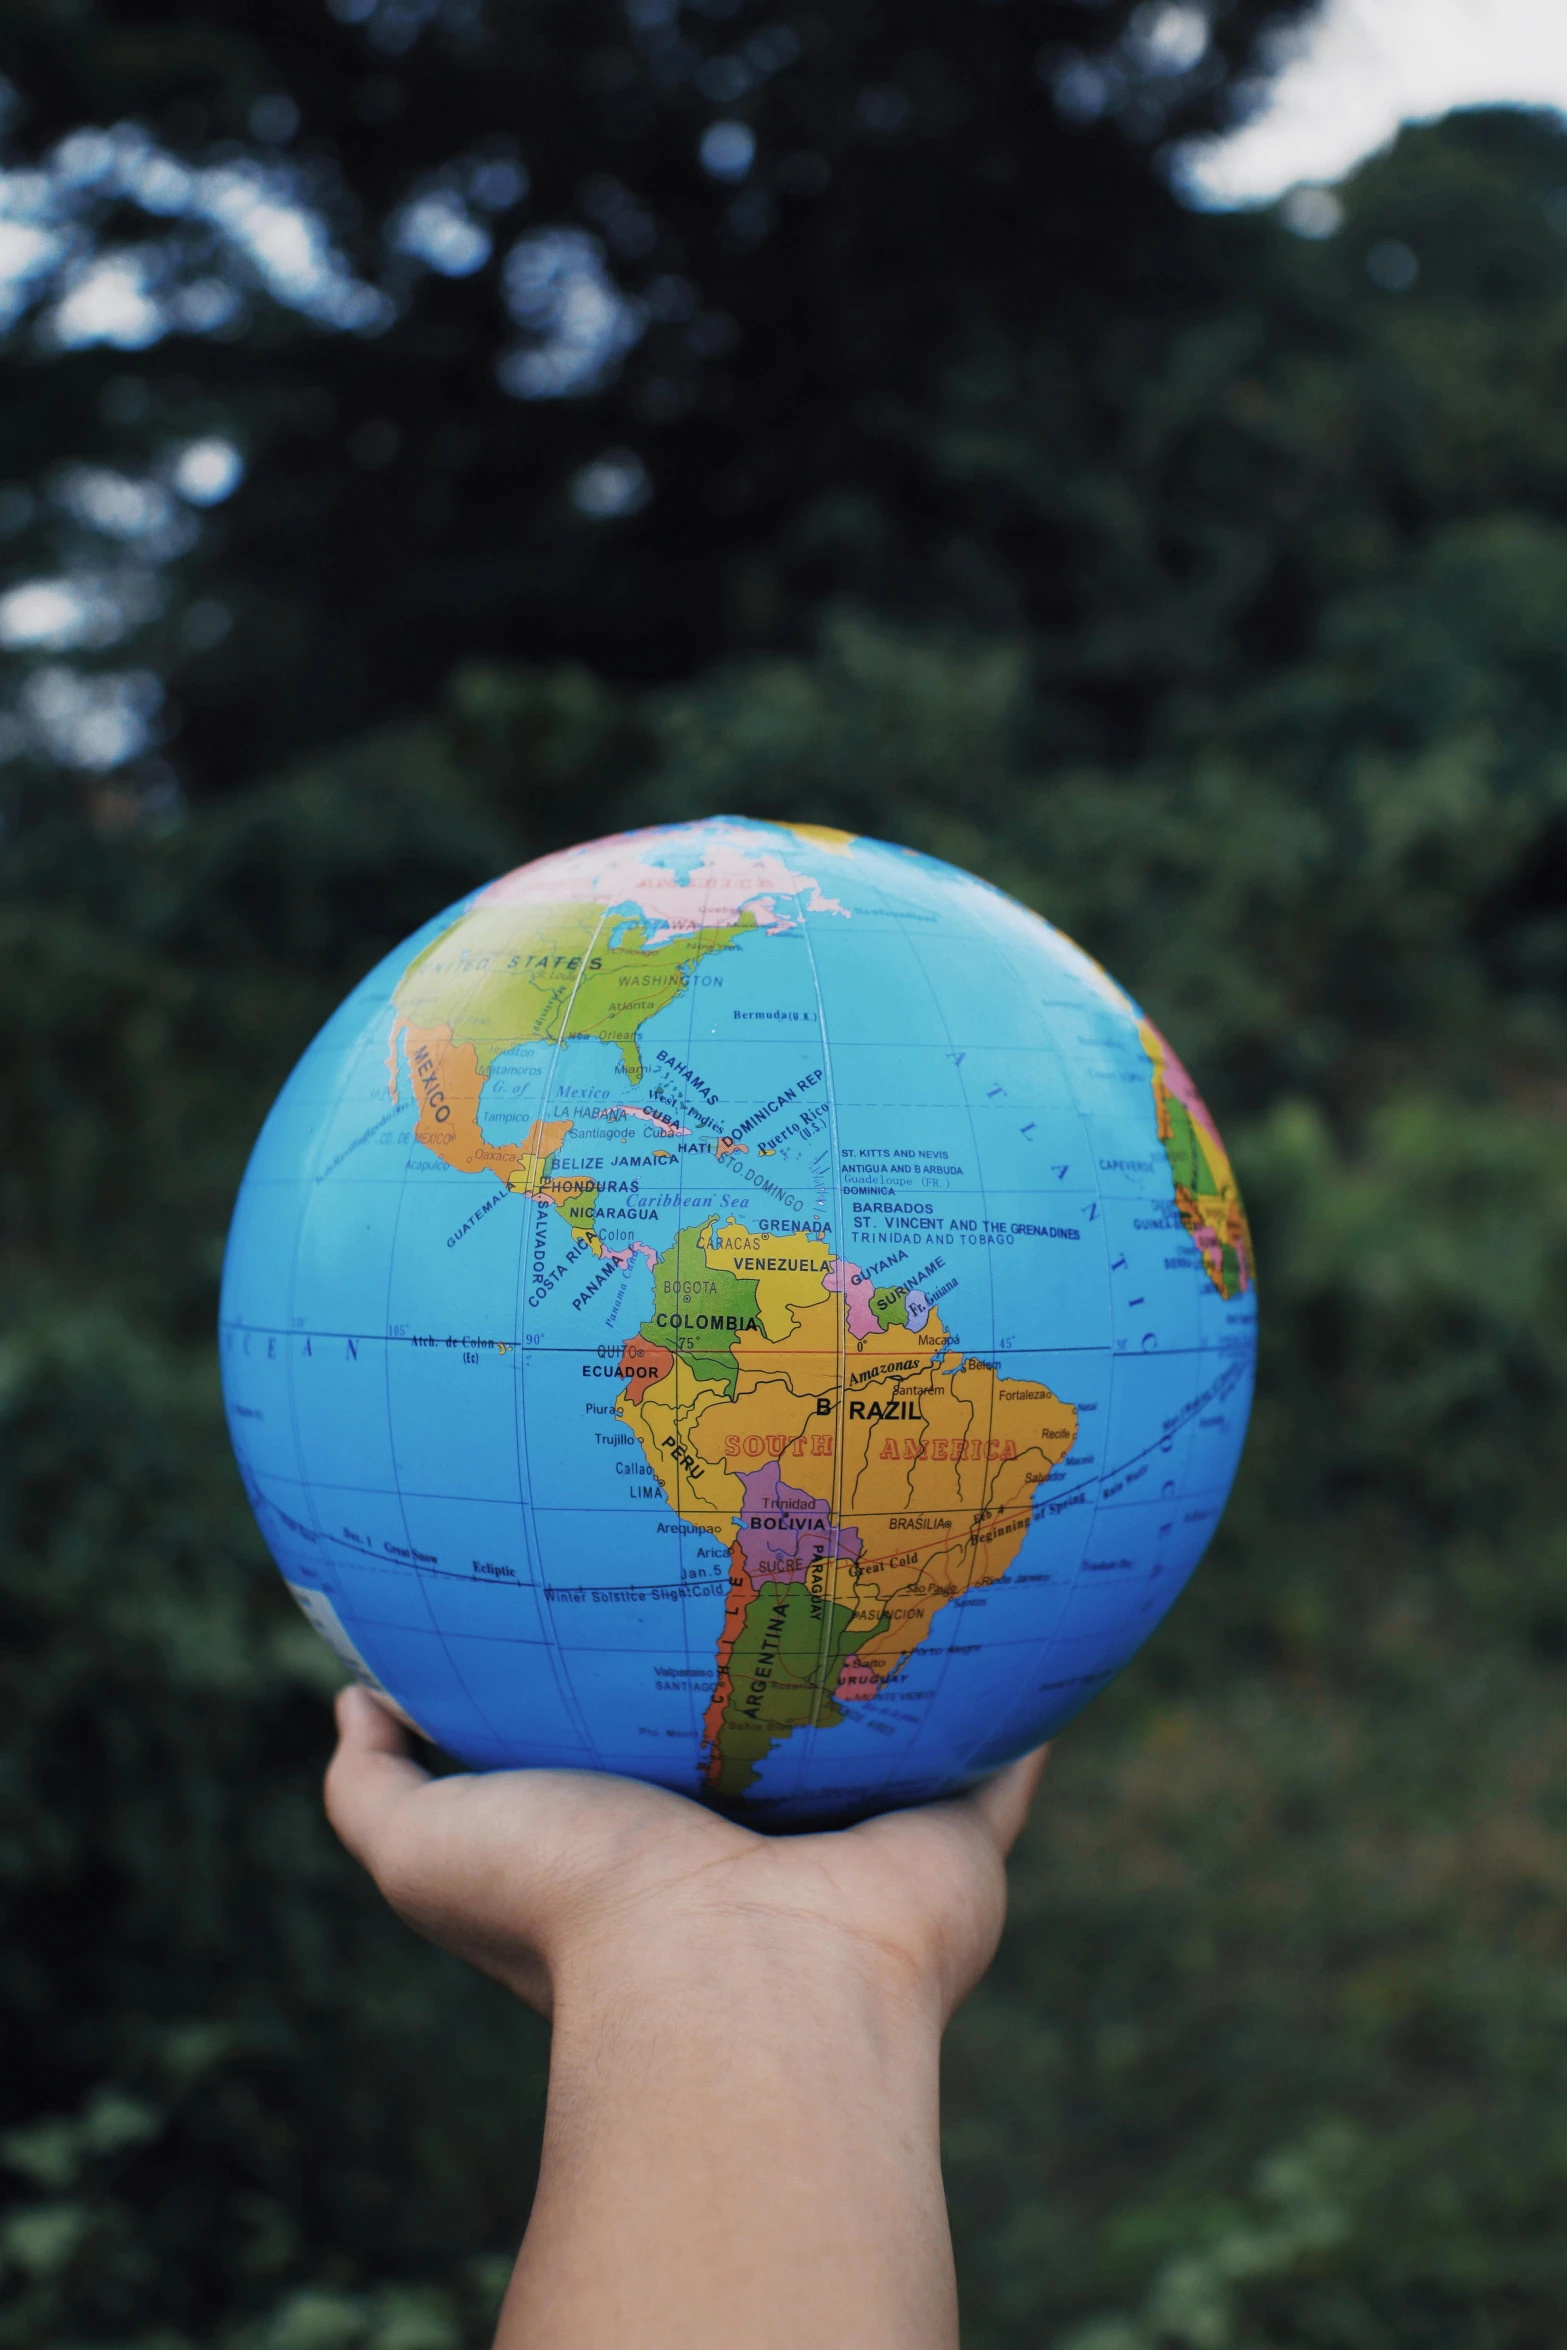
x=371, y=1775
x=1003, y=1802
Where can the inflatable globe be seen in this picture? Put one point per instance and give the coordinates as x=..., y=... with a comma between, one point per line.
x=741, y=1306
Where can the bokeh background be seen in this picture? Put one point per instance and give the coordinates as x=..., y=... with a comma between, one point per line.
x=436, y=430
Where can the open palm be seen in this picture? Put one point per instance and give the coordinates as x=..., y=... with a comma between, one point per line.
x=524, y=1872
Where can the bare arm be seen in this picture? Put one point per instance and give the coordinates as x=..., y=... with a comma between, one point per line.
x=740, y=2151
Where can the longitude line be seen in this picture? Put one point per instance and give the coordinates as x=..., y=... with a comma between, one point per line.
x=554, y=1649
x=979, y=1177
x=391, y=1436
x=841, y=1349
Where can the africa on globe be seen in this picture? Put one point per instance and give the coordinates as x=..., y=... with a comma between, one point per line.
x=742, y=1306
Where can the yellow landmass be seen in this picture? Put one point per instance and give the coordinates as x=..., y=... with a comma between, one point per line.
x=788, y=1271
x=698, y=1487
x=941, y=1498
x=807, y=1357
x=504, y=975
x=930, y=1457
x=824, y=836
x=766, y=1419
x=1207, y=1196
x=507, y=975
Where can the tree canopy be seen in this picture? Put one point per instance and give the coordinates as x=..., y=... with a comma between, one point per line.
x=1202, y=580
x=620, y=334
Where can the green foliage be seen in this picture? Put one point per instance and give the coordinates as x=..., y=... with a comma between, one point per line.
x=1222, y=622
x=1294, y=1899
x=781, y=402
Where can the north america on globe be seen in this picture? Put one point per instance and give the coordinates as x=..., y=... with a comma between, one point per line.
x=742, y=1306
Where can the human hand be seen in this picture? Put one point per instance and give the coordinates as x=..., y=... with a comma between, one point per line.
x=742, y=2137
x=542, y=1876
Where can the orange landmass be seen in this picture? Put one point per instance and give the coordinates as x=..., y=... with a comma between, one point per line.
x=447, y=1084
x=643, y=1363
x=741, y=1593
x=941, y=1511
x=1207, y=1197
x=922, y=1460
x=930, y=1458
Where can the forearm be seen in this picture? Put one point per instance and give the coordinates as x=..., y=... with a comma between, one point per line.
x=741, y=2153
x=741, y=2148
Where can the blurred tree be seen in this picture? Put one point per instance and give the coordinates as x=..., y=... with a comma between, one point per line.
x=616, y=332
x=1203, y=581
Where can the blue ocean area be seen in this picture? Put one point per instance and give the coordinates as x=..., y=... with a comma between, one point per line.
x=424, y=1368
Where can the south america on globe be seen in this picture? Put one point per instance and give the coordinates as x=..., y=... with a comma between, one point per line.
x=742, y=1306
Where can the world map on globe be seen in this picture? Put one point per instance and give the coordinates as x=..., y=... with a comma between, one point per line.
x=743, y=1306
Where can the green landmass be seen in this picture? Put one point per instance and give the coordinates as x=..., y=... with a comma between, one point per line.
x=890, y=1306
x=1183, y=1147
x=1162, y=566
x=786, y=1657
x=699, y=1309
x=576, y=1196
x=508, y=975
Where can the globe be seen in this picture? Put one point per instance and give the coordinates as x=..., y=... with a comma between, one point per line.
x=742, y=1306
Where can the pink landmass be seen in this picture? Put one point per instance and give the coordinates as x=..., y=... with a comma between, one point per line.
x=856, y=1289
x=856, y=1680
x=1185, y=1092
x=784, y=1531
x=630, y=1110
x=731, y=878
x=623, y=1256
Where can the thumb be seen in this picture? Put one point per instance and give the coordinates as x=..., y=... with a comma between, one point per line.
x=371, y=1775
x=1003, y=1801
